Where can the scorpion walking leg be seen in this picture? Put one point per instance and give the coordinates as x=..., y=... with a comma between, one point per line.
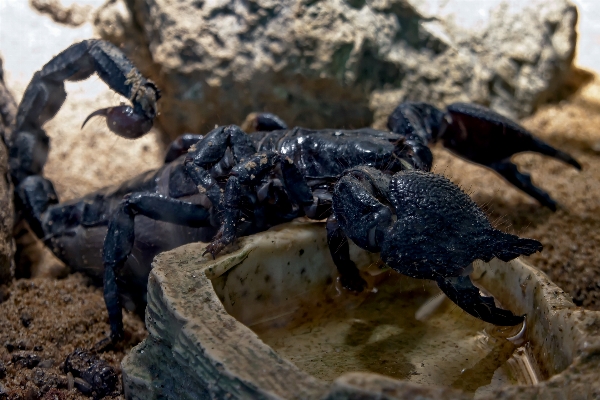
x=251, y=173
x=340, y=253
x=120, y=239
x=181, y=146
x=254, y=168
x=263, y=122
x=209, y=151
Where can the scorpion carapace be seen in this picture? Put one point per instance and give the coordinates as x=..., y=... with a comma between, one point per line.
x=372, y=186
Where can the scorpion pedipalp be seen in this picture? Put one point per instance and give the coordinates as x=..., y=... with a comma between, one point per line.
x=124, y=121
x=438, y=233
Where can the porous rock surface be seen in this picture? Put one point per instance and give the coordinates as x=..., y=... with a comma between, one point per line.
x=336, y=63
x=8, y=112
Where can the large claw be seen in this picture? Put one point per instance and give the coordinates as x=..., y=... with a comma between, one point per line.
x=439, y=232
x=486, y=137
x=479, y=135
x=464, y=294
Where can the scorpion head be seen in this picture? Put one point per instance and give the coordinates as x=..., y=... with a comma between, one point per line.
x=131, y=122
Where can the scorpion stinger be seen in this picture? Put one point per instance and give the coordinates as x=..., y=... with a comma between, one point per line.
x=45, y=94
x=123, y=121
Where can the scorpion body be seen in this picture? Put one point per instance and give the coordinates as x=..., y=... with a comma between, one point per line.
x=373, y=187
x=76, y=230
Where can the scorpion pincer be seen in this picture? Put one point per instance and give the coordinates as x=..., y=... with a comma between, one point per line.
x=372, y=186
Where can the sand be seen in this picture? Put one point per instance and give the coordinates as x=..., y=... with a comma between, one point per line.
x=47, y=319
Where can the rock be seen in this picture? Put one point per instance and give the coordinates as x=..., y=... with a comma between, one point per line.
x=73, y=15
x=238, y=325
x=8, y=112
x=341, y=63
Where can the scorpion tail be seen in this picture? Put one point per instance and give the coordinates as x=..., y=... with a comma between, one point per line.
x=45, y=95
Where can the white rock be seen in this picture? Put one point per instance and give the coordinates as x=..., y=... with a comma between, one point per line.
x=336, y=63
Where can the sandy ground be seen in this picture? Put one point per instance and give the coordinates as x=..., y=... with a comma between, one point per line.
x=45, y=320
x=67, y=313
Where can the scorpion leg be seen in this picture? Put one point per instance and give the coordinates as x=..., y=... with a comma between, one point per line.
x=120, y=239
x=340, y=253
x=438, y=232
x=490, y=139
x=256, y=167
x=251, y=172
x=181, y=146
x=209, y=151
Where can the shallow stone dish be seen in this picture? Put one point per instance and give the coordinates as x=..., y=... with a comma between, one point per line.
x=268, y=319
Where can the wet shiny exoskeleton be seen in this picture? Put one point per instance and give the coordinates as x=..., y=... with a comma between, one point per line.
x=372, y=186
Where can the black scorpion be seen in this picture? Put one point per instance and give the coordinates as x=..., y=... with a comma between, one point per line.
x=372, y=186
